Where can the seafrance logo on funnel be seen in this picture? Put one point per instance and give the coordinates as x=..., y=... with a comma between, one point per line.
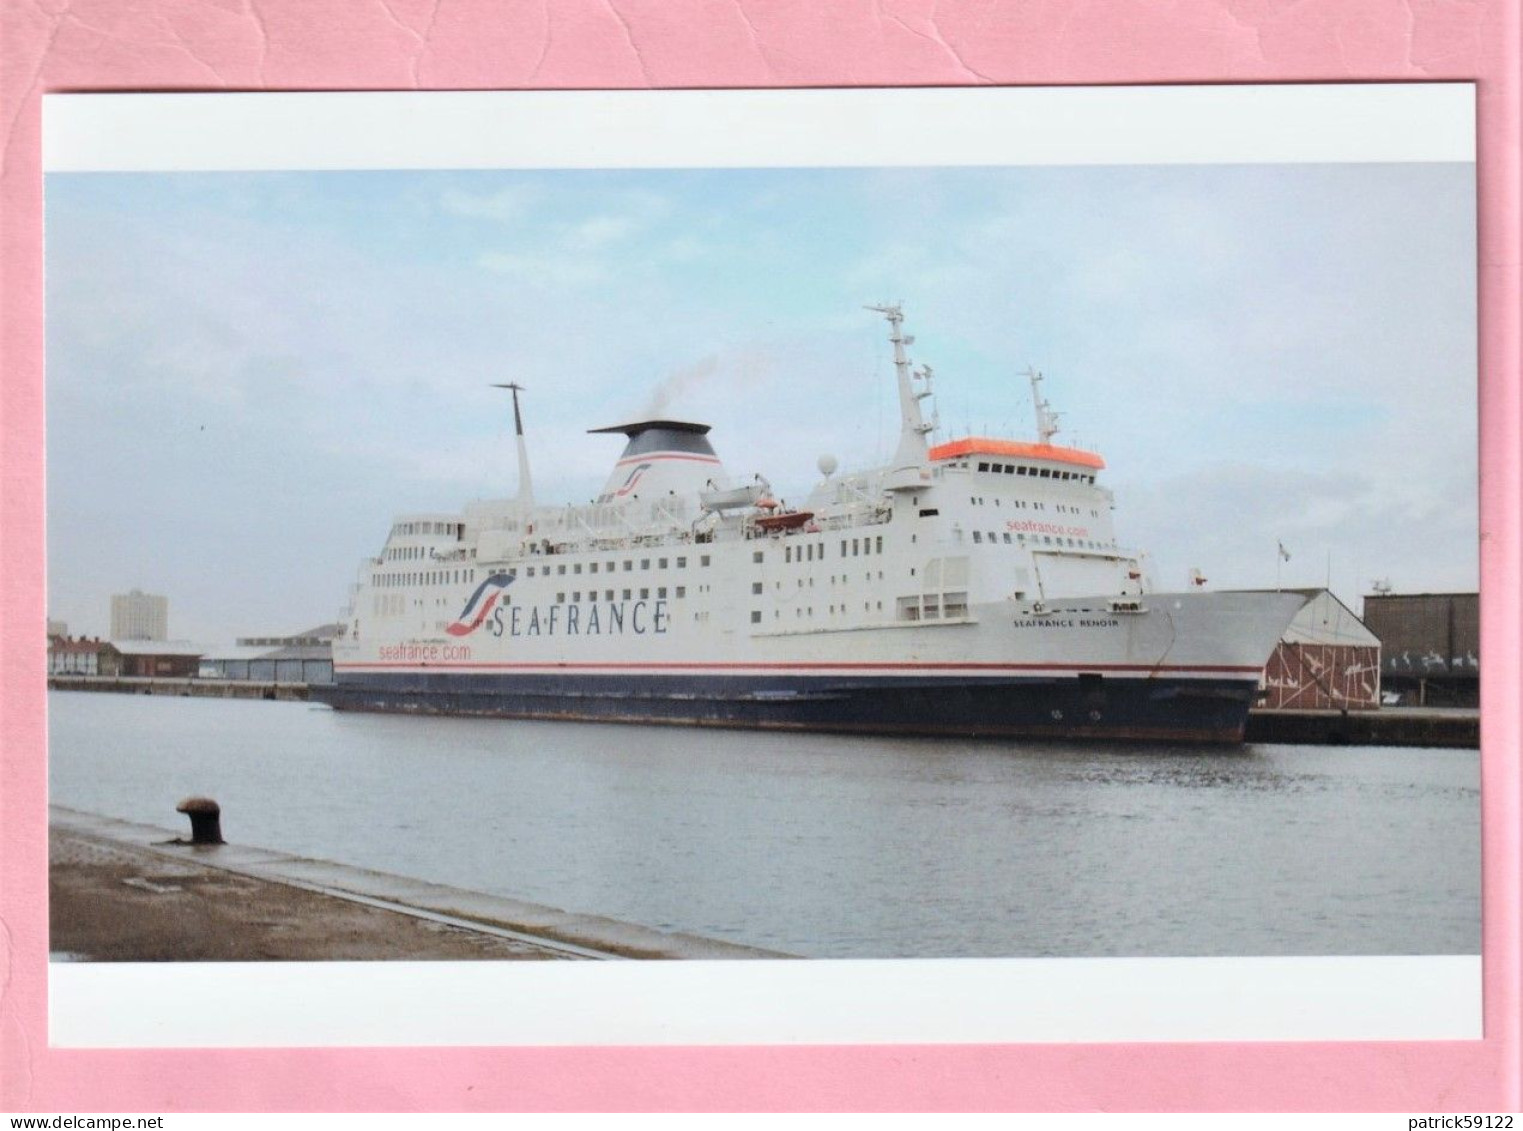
x=634, y=477
x=480, y=605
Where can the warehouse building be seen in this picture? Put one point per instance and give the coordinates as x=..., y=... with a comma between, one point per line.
x=1431, y=646
x=82, y=657
x=166, y=659
x=305, y=657
x=1328, y=659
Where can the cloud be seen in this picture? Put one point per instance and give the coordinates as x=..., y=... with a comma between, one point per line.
x=544, y=270
x=1258, y=353
x=505, y=206
x=598, y=231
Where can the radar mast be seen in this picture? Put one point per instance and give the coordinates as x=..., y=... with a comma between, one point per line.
x=912, y=452
x=1046, y=419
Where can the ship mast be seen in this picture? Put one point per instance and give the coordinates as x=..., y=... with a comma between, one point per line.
x=525, y=485
x=912, y=451
x=1046, y=419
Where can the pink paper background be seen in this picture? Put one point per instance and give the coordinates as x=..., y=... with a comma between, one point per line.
x=81, y=45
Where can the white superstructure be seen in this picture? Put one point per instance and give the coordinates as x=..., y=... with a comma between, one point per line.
x=975, y=586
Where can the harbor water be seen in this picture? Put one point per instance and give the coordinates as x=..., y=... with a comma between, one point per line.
x=827, y=846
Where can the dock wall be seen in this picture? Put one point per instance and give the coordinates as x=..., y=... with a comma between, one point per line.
x=1391, y=726
x=186, y=687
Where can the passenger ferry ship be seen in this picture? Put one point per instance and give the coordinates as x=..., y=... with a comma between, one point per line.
x=974, y=587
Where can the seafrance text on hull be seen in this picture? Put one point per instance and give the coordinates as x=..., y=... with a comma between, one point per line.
x=973, y=587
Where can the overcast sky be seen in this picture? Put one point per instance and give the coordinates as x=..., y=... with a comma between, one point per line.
x=249, y=375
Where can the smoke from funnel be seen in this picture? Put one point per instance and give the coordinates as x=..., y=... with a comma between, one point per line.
x=738, y=370
x=679, y=383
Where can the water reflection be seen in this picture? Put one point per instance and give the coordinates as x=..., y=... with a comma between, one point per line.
x=826, y=845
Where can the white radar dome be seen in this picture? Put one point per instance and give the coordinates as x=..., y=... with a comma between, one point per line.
x=827, y=466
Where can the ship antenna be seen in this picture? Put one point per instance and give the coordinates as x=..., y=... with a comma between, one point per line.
x=1046, y=419
x=525, y=485
x=912, y=426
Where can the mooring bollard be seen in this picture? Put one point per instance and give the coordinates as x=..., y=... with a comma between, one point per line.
x=205, y=819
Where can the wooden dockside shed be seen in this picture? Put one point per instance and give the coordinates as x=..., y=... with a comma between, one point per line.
x=1328, y=659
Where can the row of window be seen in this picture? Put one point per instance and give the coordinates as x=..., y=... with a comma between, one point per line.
x=403, y=529
x=626, y=594
x=613, y=567
x=1018, y=504
x=427, y=577
x=758, y=587
x=800, y=614
x=815, y=551
x=1047, y=540
x=458, y=576
x=1035, y=472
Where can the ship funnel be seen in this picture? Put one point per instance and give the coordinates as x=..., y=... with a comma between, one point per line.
x=660, y=458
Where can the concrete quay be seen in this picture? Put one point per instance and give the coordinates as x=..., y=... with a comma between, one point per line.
x=124, y=892
x=182, y=686
x=1389, y=726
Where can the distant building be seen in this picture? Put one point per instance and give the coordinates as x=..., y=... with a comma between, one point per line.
x=57, y=629
x=1328, y=659
x=1431, y=645
x=174, y=659
x=82, y=657
x=139, y=616
x=305, y=657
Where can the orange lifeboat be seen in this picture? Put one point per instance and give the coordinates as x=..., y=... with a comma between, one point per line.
x=788, y=520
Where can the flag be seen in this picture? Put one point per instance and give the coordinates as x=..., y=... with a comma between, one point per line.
x=1284, y=553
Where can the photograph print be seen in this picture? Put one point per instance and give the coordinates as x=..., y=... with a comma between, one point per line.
x=1004, y=560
